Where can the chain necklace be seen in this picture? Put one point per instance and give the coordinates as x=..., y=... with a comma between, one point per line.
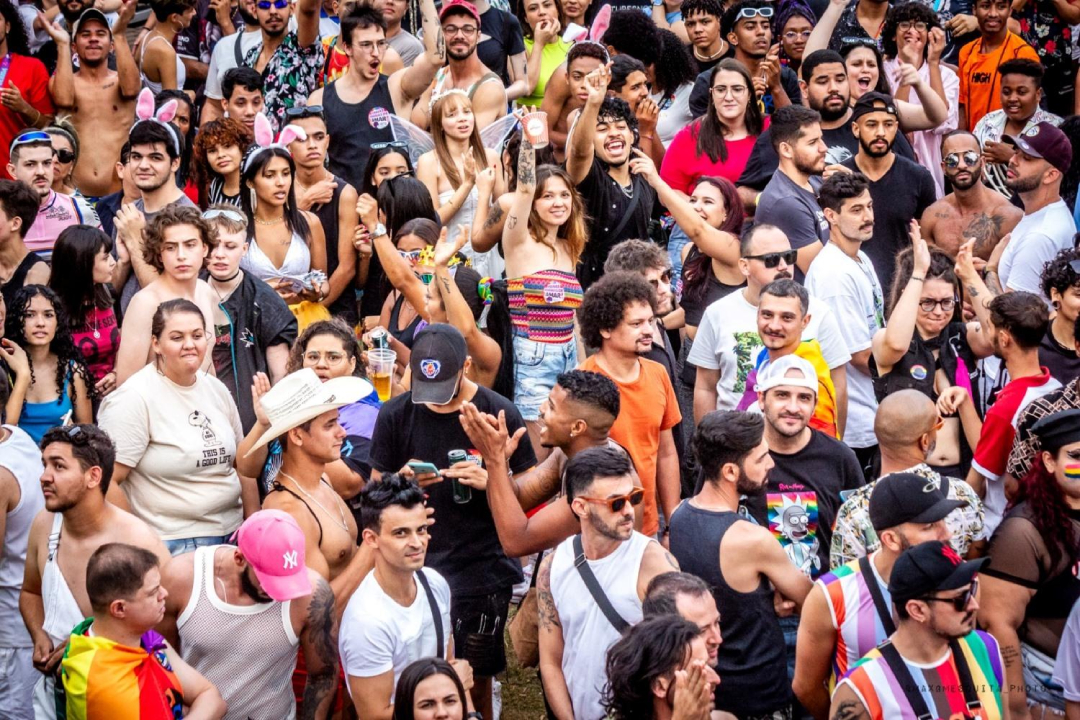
x=270, y=222
x=343, y=523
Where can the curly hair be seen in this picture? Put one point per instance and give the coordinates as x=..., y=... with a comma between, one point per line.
x=614, y=108
x=942, y=267
x=697, y=269
x=171, y=216
x=676, y=65
x=703, y=7
x=633, y=33
x=16, y=32
x=335, y=328
x=636, y=256
x=226, y=132
x=912, y=11
x=1058, y=273
x=591, y=388
x=653, y=649
x=1049, y=511
x=69, y=360
x=392, y=489
x=605, y=304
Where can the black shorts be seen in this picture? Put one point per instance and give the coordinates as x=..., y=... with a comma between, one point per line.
x=479, y=622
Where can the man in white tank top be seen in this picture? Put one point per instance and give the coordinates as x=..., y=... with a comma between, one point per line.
x=238, y=613
x=601, y=492
x=21, y=501
x=77, y=520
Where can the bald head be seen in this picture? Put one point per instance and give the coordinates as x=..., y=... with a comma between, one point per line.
x=902, y=418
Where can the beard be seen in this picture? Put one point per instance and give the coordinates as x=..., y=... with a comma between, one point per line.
x=807, y=168
x=248, y=586
x=613, y=532
x=154, y=184
x=865, y=147
x=1022, y=184
x=459, y=56
x=974, y=178
x=745, y=486
x=828, y=114
x=249, y=19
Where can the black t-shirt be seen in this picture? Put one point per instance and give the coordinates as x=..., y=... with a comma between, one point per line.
x=606, y=205
x=704, y=67
x=900, y=195
x=699, y=96
x=802, y=498
x=841, y=142
x=500, y=39
x=1062, y=362
x=465, y=546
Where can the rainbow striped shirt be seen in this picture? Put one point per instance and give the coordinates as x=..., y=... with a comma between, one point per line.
x=858, y=625
x=939, y=685
x=542, y=305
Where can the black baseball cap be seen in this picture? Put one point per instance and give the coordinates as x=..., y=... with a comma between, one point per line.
x=873, y=102
x=438, y=356
x=930, y=567
x=1058, y=430
x=905, y=497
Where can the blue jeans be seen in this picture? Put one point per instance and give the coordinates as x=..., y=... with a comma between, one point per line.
x=536, y=366
x=186, y=545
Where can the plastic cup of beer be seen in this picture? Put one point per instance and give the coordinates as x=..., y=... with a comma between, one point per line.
x=381, y=370
x=535, y=126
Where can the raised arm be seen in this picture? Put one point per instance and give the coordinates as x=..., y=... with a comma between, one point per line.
x=345, y=273
x=416, y=78
x=890, y=344
x=517, y=68
x=933, y=110
x=307, y=22
x=516, y=230
x=127, y=72
x=398, y=271
x=822, y=34
x=556, y=95
x=62, y=83
x=489, y=216
x=543, y=35
x=484, y=351
x=580, y=153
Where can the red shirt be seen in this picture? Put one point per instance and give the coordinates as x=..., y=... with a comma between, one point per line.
x=29, y=75
x=682, y=165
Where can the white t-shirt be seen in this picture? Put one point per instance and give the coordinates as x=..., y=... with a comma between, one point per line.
x=851, y=288
x=727, y=340
x=1036, y=240
x=674, y=112
x=378, y=635
x=223, y=59
x=180, y=443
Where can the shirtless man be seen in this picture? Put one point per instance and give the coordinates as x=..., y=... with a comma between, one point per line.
x=77, y=520
x=176, y=244
x=305, y=412
x=566, y=90
x=464, y=71
x=972, y=210
x=101, y=101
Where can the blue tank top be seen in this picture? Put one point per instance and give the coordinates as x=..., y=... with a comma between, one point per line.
x=38, y=418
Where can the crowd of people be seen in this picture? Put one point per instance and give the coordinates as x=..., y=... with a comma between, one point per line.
x=715, y=358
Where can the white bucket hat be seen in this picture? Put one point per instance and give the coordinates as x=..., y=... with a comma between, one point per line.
x=301, y=396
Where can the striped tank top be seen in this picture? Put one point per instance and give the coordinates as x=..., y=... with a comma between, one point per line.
x=858, y=626
x=542, y=305
x=939, y=684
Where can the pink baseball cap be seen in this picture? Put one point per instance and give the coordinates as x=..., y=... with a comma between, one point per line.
x=273, y=543
x=462, y=6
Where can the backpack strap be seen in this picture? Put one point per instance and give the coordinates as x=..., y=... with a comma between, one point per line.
x=904, y=679
x=883, y=610
x=436, y=614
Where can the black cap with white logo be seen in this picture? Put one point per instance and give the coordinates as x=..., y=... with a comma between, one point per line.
x=907, y=497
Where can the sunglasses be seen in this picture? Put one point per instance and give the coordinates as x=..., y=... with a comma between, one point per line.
x=952, y=160
x=65, y=155
x=616, y=504
x=665, y=277
x=772, y=260
x=276, y=4
x=928, y=305
x=31, y=136
x=302, y=111
x=392, y=143
x=413, y=256
x=1075, y=265
x=750, y=13
x=217, y=212
x=960, y=602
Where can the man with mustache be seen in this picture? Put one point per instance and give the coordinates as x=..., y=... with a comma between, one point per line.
x=972, y=210
x=923, y=669
x=843, y=277
x=900, y=188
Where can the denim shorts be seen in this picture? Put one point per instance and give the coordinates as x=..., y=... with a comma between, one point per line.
x=186, y=545
x=536, y=366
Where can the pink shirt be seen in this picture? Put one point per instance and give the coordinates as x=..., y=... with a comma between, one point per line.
x=98, y=340
x=682, y=165
x=927, y=143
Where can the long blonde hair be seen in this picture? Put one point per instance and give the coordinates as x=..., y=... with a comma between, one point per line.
x=572, y=232
x=456, y=99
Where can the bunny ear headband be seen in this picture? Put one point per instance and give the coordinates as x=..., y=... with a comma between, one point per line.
x=144, y=112
x=264, y=139
x=594, y=35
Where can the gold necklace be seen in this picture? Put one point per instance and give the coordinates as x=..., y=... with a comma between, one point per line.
x=270, y=222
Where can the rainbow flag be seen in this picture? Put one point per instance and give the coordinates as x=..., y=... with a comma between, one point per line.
x=103, y=680
x=1072, y=471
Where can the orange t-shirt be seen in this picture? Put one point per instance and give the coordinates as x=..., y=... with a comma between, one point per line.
x=647, y=407
x=980, y=82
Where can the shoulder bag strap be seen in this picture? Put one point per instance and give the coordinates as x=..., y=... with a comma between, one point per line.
x=883, y=609
x=971, y=697
x=436, y=614
x=629, y=211
x=903, y=678
x=595, y=590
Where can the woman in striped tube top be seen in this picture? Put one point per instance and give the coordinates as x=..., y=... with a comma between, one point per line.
x=543, y=238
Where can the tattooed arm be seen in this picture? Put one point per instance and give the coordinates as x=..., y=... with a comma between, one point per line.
x=516, y=229
x=846, y=705
x=319, y=641
x=488, y=223
x=1002, y=607
x=551, y=645
x=656, y=560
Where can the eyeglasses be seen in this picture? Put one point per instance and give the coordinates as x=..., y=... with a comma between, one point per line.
x=927, y=305
x=952, y=160
x=466, y=30
x=304, y=111
x=276, y=4
x=333, y=359
x=230, y=214
x=960, y=602
x=772, y=260
x=31, y=136
x=791, y=35
x=736, y=90
x=392, y=143
x=616, y=504
x=909, y=24
x=65, y=155
x=368, y=45
x=751, y=13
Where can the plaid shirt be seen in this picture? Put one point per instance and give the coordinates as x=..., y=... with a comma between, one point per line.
x=1025, y=445
x=854, y=536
